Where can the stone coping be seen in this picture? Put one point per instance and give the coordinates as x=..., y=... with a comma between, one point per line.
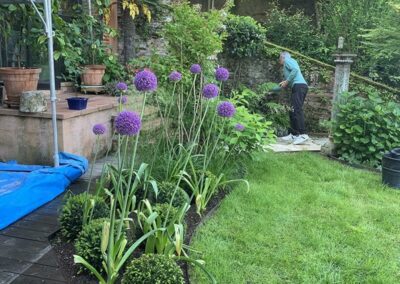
x=95, y=103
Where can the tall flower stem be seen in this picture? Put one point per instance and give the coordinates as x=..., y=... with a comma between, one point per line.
x=189, y=154
x=128, y=189
x=86, y=207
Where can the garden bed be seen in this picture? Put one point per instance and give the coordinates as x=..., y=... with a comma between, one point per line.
x=65, y=251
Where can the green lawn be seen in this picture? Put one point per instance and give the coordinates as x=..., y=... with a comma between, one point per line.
x=305, y=220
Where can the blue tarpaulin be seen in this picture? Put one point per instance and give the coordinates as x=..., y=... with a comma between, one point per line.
x=23, y=188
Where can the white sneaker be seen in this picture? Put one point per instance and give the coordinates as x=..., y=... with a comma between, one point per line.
x=300, y=139
x=288, y=139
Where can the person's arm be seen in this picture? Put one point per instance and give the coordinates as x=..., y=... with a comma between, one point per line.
x=293, y=68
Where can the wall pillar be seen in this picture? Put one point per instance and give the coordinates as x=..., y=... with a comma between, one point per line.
x=343, y=63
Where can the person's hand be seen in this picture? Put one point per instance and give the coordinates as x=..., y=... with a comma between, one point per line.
x=283, y=84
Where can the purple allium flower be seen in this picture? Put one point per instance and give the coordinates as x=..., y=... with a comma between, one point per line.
x=123, y=100
x=221, y=74
x=239, y=127
x=99, y=129
x=226, y=109
x=210, y=91
x=121, y=86
x=195, y=69
x=145, y=81
x=128, y=123
x=175, y=76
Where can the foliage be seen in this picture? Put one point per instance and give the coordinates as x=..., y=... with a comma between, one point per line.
x=166, y=212
x=194, y=36
x=297, y=31
x=155, y=269
x=72, y=212
x=168, y=228
x=166, y=191
x=303, y=202
x=245, y=37
x=382, y=43
x=366, y=127
x=88, y=244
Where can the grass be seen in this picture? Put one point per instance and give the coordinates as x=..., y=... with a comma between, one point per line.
x=305, y=220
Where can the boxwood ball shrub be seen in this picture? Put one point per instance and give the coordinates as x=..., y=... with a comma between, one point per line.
x=88, y=244
x=153, y=269
x=366, y=127
x=72, y=213
x=162, y=210
x=165, y=192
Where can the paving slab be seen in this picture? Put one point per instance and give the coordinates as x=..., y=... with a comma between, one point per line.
x=24, y=279
x=45, y=272
x=6, y=277
x=312, y=145
x=23, y=233
x=22, y=249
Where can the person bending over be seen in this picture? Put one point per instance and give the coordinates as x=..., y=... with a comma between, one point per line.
x=296, y=82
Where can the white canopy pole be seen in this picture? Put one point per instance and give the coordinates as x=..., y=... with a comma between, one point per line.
x=53, y=97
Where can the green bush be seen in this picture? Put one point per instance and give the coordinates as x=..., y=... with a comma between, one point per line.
x=88, y=244
x=257, y=132
x=296, y=31
x=165, y=192
x=245, y=37
x=162, y=209
x=72, y=214
x=194, y=36
x=366, y=127
x=153, y=269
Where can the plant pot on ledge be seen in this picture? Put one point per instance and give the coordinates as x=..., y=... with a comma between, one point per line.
x=18, y=80
x=92, y=75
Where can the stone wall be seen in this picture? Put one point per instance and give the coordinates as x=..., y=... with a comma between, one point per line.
x=138, y=38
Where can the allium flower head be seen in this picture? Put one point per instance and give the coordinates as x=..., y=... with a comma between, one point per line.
x=121, y=86
x=99, y=129
x=123, y=100
x=195, y=69
x=175, y=76
x=145, y=81
x=221, y=74
x=226, y=109
x=128, y=123
x=239, y=127
x=210, y=91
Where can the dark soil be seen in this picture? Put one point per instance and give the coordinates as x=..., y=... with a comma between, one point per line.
x=65, y=251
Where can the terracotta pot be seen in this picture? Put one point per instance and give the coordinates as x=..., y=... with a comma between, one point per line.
x=18, y=80
x=92, y=75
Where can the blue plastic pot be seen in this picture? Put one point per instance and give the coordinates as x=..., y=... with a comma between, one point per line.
x=77, y=103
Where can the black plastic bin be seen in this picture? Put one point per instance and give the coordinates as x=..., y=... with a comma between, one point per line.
x=391, y=168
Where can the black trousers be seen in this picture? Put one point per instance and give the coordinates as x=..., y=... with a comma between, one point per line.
x=299, y=92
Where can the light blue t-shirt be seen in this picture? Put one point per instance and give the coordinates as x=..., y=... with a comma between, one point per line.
x=292, y=72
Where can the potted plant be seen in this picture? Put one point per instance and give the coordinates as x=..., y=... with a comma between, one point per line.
x=18, y=79
x=92, y=74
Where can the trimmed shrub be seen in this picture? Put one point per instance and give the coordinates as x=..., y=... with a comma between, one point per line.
x=88, y=244
x=245, y=37
x=366, y=127
x=165, y=192
x=162, y=210
x=72, y=214
x=154, y=269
